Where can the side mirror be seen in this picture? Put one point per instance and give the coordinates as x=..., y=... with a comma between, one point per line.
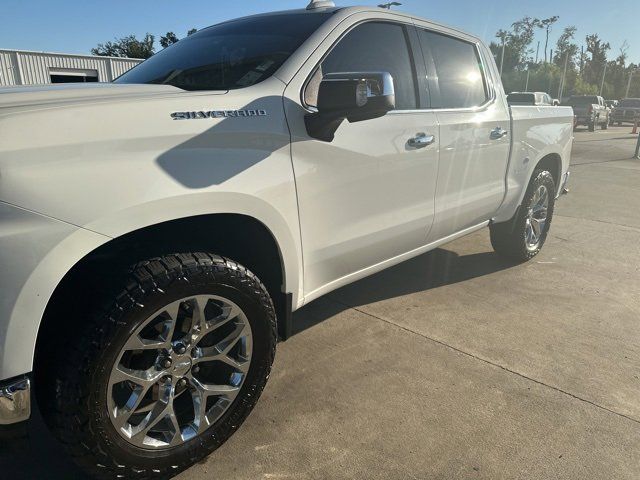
x=352, y=96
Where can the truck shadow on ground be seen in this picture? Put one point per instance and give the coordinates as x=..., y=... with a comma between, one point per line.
x=38, y=455
x=431, y=270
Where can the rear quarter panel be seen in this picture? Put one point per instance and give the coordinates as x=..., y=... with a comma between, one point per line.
x=537, y=132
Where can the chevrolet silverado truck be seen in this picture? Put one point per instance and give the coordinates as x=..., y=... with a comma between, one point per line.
x=590, y=110
x=157, y=233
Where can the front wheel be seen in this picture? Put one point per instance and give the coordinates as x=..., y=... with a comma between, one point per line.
x=168, y=371
x=523, y=237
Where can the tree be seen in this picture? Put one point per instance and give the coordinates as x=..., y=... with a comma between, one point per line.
x=192, y=31
x=169, y=39
x=565, y=47
x=517, y=42
x=546, y=24
x=128, y=46
x=594, y=66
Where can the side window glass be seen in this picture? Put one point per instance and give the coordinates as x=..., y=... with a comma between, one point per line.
x=372, y=47
x=461, y=79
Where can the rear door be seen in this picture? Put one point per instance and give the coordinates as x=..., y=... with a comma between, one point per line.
x=368, y=196
x=474, y=132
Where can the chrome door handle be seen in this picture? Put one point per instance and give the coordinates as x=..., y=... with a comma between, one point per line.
x=421, y=140
x=498, y=133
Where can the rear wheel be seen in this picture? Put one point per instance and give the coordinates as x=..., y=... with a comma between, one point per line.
x=523, y=237
x=168, y=371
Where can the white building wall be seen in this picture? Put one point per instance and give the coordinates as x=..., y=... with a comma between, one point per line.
x=20, y=67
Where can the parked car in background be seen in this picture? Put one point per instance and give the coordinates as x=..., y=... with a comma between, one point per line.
x=590, y=110
x=627, y=111
x=530, y=98
x=611, y=103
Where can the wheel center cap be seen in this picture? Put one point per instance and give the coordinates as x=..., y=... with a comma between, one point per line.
x=181, y=366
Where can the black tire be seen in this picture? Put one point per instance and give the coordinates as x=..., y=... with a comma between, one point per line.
x=619, y=124
x=79, y=417
x=605, y=125
x=508, y=238
x=592, y=127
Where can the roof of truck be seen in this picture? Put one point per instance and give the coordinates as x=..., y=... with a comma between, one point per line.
x=347, y=11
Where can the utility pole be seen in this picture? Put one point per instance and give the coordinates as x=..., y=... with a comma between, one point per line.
x=526, y=85
x=604, y=74
x=502, y=58
x=581, y=59
x=537, y=52
x=629, y=84
x=564, y=74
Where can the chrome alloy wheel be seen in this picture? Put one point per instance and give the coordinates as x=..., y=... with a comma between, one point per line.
x=536, y=217
x=179, y=372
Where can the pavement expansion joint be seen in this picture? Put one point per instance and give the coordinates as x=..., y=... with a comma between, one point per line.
x=489, y=362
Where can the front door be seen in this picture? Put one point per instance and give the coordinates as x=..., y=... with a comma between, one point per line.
x=368, y=196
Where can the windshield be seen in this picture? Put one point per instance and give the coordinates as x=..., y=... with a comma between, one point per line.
x=630, y=103
x=579, y=101
x=230, y=55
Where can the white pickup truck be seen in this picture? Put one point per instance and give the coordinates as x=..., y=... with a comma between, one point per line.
x=157, y=233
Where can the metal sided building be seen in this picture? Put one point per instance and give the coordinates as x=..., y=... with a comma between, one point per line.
x=21, y=67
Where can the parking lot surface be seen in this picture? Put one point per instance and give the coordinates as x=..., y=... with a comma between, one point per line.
x=459, y=364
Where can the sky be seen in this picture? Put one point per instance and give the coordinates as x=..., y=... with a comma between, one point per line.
x=75, y=26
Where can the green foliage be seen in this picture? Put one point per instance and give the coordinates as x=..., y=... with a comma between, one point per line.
x=548, y=76
x=131, y=47
x=516, y=43
x=566, y=50
x=594, y=66
x=581, y=87
x=128, y=46
x=169, y=39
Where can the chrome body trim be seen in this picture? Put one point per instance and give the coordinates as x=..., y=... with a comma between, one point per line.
x=15, y=401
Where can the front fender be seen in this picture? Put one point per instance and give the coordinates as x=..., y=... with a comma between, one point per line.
x=159, y=211
x=37, y=251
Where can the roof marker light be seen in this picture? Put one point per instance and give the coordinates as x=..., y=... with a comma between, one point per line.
x=315, y=4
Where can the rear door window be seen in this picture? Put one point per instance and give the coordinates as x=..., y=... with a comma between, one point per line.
x=460, y=76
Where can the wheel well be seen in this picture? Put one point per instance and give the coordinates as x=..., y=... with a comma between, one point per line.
x=241, y=238
x=553, y=163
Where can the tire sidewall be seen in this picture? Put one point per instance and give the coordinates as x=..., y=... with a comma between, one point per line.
x=124, y=453
x=540, y=177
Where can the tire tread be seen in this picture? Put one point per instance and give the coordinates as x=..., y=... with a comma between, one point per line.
x=71, y=423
